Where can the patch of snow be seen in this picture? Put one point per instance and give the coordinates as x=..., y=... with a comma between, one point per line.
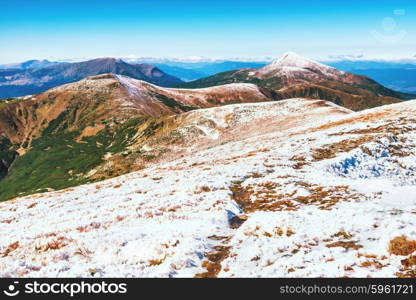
x=162, y=221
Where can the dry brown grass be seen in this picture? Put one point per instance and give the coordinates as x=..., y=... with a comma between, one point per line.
x=90, y=131
x=240, y=195
x=88, y=227
x=278, y=231
x=120, y=218
x=406, y=274
x=409, y=262
x=55, y=244
x=343, y=234
x=395, y=127
x=370, y=256
x=213, y=264
x=84, y=252
x=352, y=120
x=345, y=245
x=157, y=262
x=267, y=196
x=256, y=175
x=32, y=205
x=373, y=263
x=327, y=197
x=10, y=248
x=58, y=243
x=409, y=268
x=219, y=238
x=236, y=221
x=202, y=189
x=392, y=126
x=269, y=262
x=331, y=150
x=264, y=195
x=174, y=208
x=402, y=246
x=8, y=221
x=290, y=232
x=300, y=161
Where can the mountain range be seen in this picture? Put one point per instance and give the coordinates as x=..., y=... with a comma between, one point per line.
x=113, y=124
x=295, y=76
x=30, y=64
x=397, y=76
x=55, y=139
x=246, y=173
x=193, y=71
x=19, y=82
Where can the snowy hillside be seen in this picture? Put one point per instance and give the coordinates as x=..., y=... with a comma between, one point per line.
x=291, y=61
x=294, y=76
x=333, y=194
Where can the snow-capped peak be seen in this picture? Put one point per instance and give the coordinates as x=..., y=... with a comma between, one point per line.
x=291, y=62
x=291, y=59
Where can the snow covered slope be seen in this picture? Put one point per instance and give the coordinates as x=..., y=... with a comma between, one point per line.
x=294, y=76
x=333, y=194
x=291, y=62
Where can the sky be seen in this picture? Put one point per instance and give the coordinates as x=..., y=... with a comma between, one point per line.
x=218, y=29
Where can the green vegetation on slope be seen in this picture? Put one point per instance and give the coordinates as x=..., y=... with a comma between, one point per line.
x=170, y=102
x=7, y=156
x=56, y=160
x=220, y=79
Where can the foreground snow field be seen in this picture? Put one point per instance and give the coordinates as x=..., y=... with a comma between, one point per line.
x=332, y=195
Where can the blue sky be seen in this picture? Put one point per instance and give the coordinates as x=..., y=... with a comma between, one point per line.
x=215, y=29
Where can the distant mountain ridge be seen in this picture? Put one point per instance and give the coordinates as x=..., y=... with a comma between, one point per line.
x=193, y=71
x=31, y=64
x=19, y=82
x=397, y=76
x=295, y=76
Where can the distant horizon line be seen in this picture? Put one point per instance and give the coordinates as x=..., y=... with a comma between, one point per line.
x=204, y=59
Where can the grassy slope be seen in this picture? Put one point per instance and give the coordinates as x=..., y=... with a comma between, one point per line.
x=219, y=79
x=7, y=156
x=56, y=160
x=341, y=94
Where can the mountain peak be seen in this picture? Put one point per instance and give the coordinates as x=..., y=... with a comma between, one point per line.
x=102, y=59
x=291, y=55
x=37, y=80
x=291, y=62
x=292, y=59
